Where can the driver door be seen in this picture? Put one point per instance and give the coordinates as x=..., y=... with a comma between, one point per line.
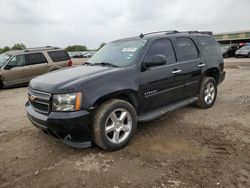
x=15, y=71
x=161, y=85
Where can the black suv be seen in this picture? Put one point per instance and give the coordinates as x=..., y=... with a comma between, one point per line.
x=128, y=81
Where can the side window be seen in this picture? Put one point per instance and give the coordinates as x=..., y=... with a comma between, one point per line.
x=37, y=58
x=209, y=45
x=162, y=47
x=18, y=61
x=57, y=56
x=187, y=48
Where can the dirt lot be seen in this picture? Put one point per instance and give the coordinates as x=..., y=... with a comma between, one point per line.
x=189, y=147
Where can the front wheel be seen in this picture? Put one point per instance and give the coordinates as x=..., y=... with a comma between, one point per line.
x=114, y=124
x=208, y=93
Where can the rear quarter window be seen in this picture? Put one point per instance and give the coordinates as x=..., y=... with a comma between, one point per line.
x=57, y=56
x=209, y=45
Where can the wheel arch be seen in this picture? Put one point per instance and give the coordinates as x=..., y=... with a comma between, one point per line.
x=1, y=81
x=212, y=72
x=130, y=96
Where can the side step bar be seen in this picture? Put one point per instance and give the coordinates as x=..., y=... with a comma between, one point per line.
x=161, y=111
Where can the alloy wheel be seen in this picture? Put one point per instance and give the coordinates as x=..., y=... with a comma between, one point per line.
x=118, y=126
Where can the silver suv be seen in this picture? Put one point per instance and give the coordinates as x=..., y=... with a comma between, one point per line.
x=18, y=67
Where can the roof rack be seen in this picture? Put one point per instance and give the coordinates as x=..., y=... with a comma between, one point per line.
x=174, y=32
x=200, y=32
x=40, y=48
x=158, y=32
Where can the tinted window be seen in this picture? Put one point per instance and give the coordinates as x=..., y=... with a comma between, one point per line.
x=187, y=48
x=210, y=46
x=18, y=61
x=37, y=58
x=162, y=47
x=57, y=56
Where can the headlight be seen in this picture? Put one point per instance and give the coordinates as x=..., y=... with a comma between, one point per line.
x=67, y=102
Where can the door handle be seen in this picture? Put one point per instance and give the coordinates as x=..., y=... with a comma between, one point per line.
x=176, y=71
x=201, y=65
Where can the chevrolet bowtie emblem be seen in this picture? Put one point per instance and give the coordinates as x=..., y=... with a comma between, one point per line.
x=32, y=97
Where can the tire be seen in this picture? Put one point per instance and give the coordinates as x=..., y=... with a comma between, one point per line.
x=109, y=131
x=207, y=94
x=1, y=84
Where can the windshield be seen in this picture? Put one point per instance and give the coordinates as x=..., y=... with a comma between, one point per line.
x=245, y=48
x=3, y=59
x=119, y=53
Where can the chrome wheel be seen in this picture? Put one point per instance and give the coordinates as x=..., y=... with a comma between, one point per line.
x=118, y=126
x=209, y=93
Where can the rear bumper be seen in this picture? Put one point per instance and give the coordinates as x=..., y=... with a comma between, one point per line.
x=72, y=128
x=222, y=76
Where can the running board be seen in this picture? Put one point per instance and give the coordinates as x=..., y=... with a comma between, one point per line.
x=161, y=111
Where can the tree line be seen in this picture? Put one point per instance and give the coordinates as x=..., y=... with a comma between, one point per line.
x=18, y=46
x=73, y=48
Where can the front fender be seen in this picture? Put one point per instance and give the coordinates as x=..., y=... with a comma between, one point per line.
x=122, y=82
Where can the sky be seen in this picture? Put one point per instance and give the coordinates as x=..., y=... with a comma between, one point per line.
x=90, y=22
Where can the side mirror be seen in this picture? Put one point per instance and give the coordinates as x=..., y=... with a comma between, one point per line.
x=8, y=67
x=155, y=60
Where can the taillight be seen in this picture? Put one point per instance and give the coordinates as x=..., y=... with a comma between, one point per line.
x=70, y=63
x=242, y=44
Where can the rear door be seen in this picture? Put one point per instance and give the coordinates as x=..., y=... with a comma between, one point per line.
x=190, y=59
x=17, y=73
x=161, y=85
x=37, y=64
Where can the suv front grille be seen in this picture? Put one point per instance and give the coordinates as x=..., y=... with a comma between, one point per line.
x=40, y=101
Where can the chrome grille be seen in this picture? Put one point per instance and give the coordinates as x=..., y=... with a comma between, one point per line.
x=39, y=100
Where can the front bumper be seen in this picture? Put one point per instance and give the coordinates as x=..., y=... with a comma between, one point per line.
x=222, y=76
x=72, y=128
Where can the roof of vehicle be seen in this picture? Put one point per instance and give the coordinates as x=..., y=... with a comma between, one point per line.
x=30, y=50
x=161, y=34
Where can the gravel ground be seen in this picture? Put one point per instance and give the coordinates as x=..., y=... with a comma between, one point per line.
x=189, y=147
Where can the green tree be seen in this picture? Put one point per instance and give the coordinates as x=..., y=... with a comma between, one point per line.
x=18, y=46
x=101, y=45
x=5, y=49
x=76, y=48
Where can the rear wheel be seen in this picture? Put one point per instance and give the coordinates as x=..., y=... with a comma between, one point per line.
x=208, y=93
x=114, y=124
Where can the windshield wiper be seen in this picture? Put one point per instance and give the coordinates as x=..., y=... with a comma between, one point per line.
x=105, y=64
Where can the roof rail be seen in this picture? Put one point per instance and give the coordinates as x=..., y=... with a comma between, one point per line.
x=174, y=32
x=158, y=32
x=201, y=32
x=40, y=48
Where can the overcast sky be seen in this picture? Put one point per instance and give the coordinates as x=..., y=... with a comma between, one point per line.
x=90, y=22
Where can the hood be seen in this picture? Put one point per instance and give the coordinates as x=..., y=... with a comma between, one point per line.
x=65, y=80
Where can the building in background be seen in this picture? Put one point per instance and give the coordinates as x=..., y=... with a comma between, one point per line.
x=233, y=37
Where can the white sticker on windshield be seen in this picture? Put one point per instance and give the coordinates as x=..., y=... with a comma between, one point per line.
x=129, y=49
